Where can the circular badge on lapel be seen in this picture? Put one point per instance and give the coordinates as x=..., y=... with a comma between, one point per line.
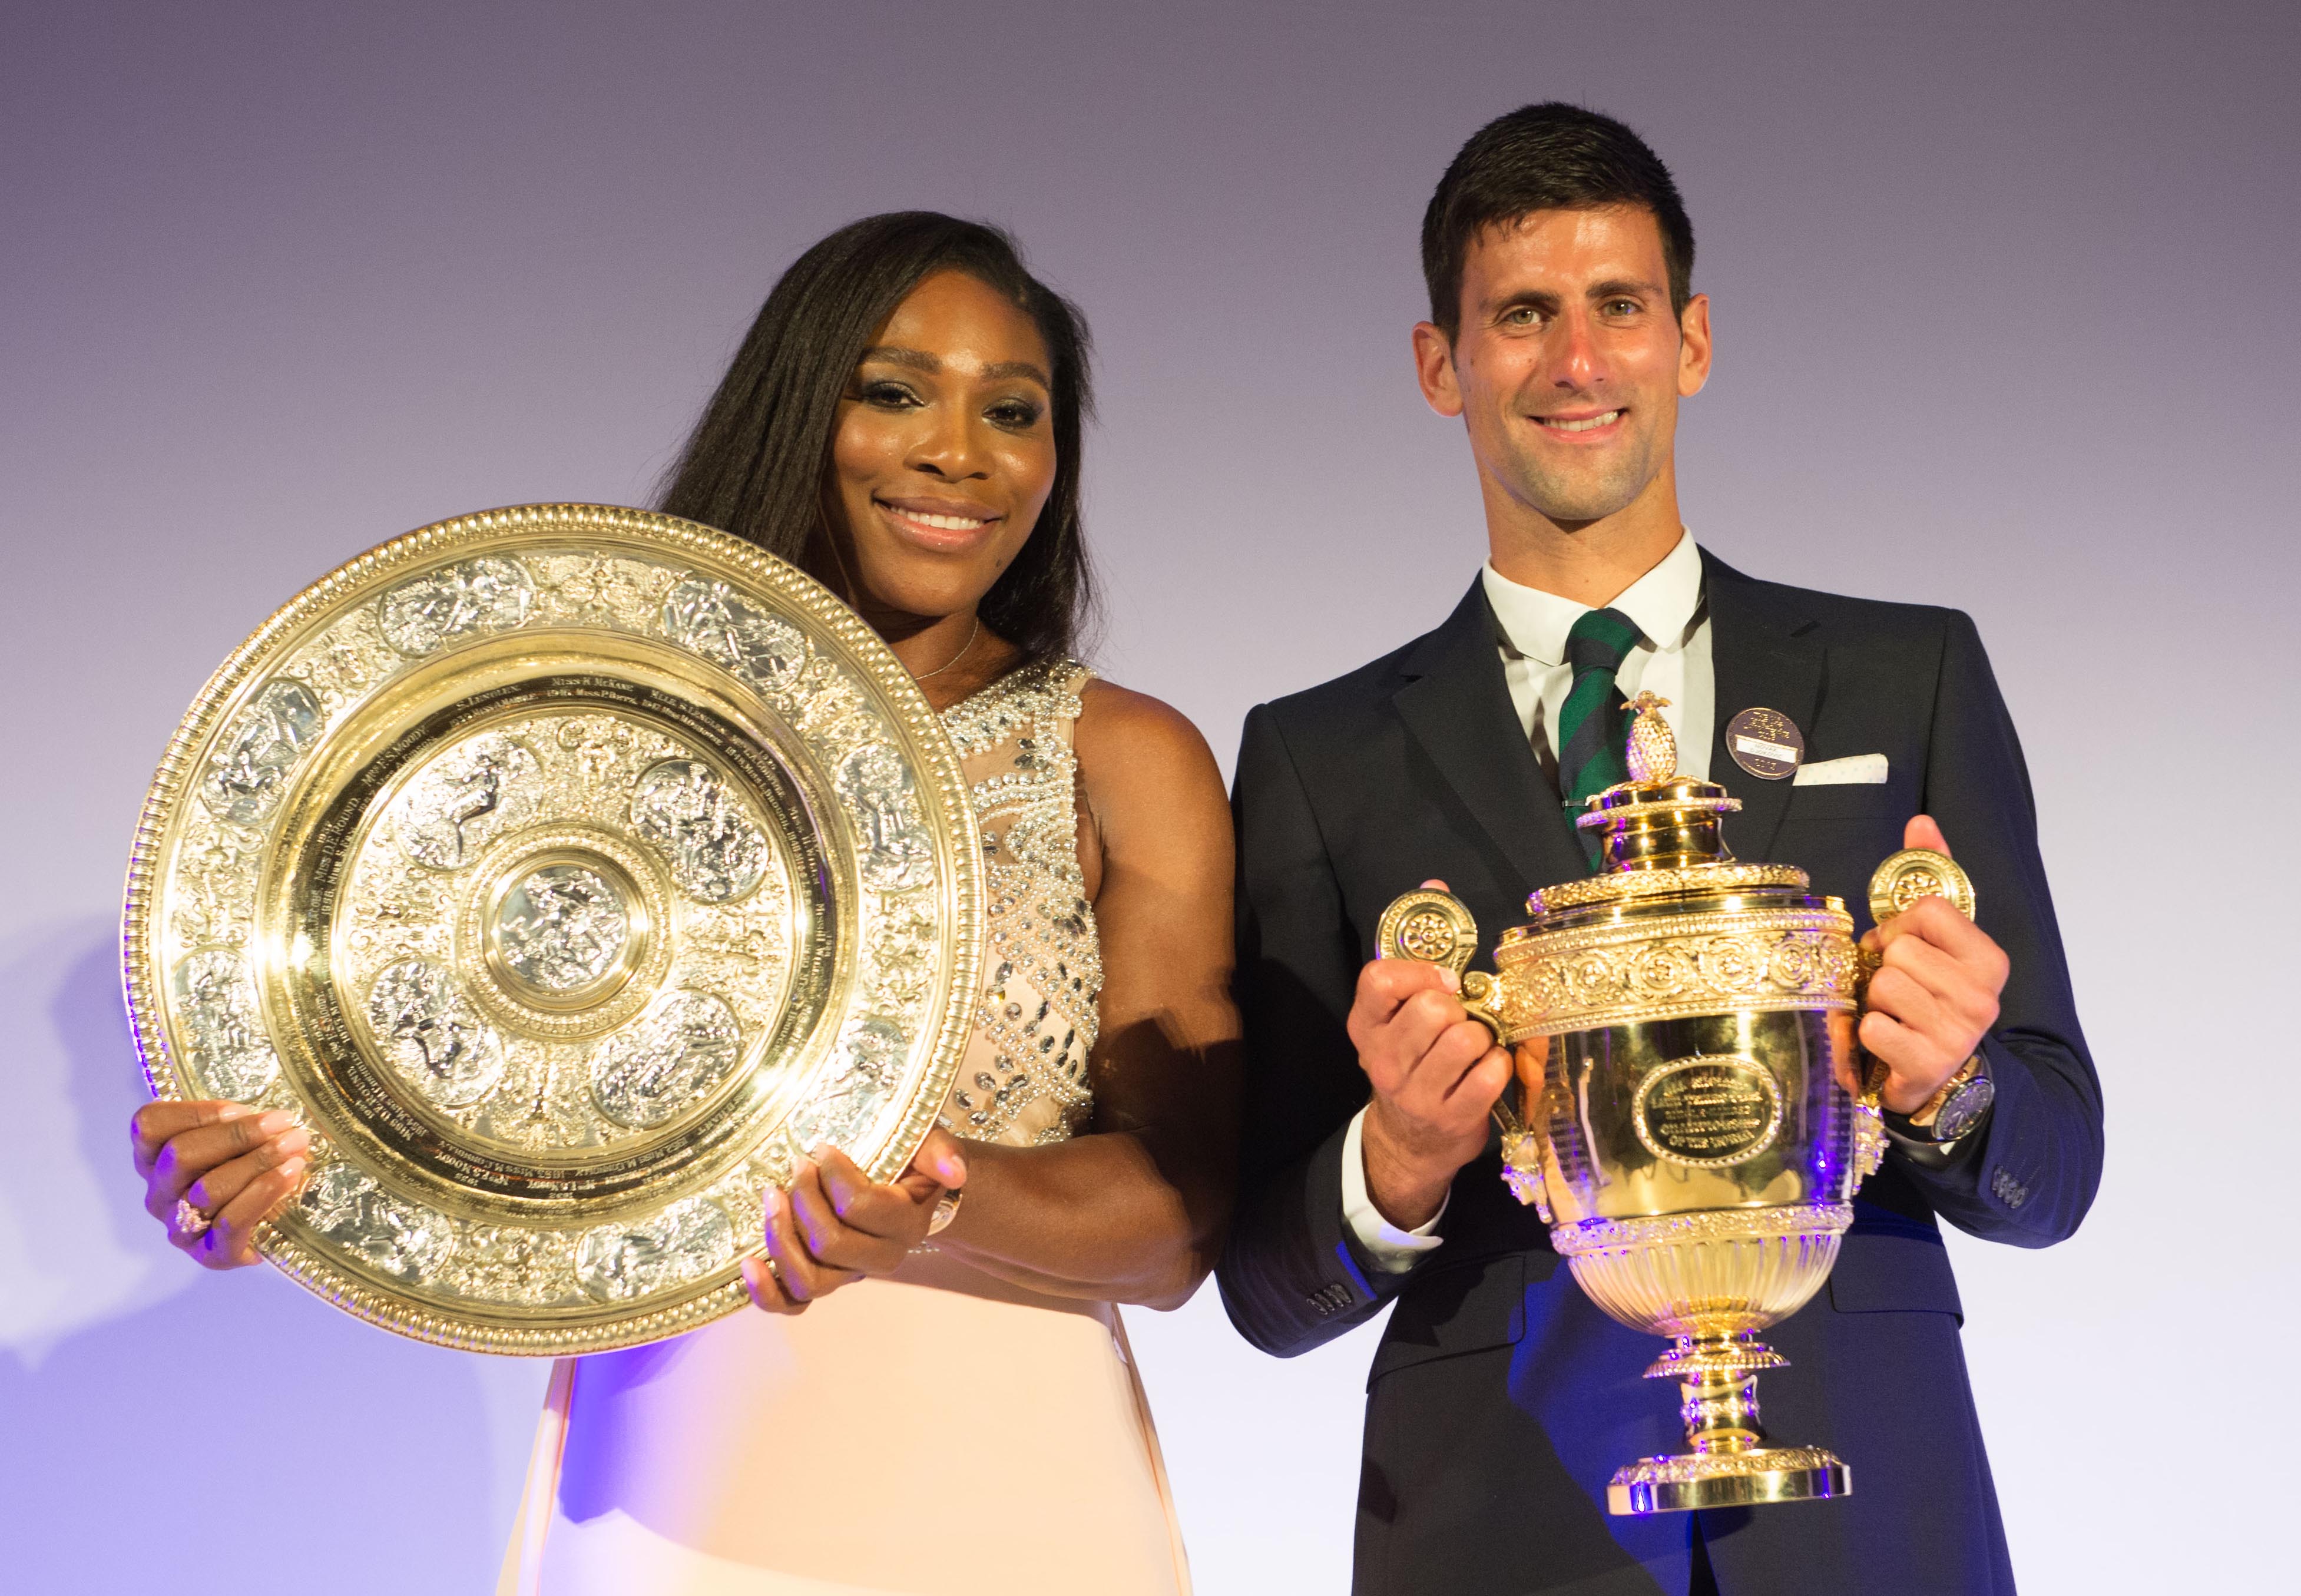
x=1766, y=743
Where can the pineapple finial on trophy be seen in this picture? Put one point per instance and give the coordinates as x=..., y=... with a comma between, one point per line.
x=1653, y=754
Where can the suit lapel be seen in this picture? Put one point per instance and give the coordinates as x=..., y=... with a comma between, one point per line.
x=1765, y=655
x=1458, y=708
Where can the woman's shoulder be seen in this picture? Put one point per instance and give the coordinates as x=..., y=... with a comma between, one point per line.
x=1123, y=726
x=1151, y=781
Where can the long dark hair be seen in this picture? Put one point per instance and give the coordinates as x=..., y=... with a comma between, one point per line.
x=757, y=462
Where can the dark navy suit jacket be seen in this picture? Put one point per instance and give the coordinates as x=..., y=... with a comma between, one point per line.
x=1501, y=1399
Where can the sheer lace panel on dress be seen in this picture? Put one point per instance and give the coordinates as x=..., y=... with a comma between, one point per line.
x=1024, y=1078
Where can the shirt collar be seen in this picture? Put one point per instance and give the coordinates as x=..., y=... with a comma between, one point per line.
x=1661, y=604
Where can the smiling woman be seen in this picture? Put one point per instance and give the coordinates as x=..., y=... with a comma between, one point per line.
x=904, y=420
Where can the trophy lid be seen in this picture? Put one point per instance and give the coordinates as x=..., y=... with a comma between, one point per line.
x=1659, y=831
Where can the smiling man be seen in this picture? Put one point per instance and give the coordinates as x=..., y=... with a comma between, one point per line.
x=1564, y=332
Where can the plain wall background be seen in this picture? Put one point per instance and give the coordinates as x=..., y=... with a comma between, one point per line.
x=2005, y=308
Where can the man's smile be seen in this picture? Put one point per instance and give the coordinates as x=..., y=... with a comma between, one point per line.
x=1579, y=423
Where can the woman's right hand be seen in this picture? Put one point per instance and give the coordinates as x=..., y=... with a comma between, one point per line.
x=233, y=1166
x=835, y=1225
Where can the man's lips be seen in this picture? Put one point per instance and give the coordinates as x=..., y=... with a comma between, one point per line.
x=1580, y=423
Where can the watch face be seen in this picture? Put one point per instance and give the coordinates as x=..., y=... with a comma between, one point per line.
x=1964, y=1109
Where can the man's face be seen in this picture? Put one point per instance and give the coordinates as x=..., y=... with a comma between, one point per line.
x=1569, y=363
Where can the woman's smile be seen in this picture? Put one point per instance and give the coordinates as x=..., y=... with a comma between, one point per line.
x=941, y=525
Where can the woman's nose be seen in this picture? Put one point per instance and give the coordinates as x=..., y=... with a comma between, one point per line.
x=950, y=448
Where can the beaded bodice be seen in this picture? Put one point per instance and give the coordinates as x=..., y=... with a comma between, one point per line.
x=1024, y=1078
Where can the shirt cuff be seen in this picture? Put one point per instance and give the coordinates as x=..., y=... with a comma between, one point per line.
x=1388, y=1249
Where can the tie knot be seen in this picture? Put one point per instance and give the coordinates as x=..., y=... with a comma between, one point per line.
x=1601, y=640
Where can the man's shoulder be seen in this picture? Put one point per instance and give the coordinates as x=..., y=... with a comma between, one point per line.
x=1353, y=693
x=1348, y=700
x=1881, y=623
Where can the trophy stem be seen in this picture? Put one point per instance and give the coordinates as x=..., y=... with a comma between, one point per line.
x=1728, y=1464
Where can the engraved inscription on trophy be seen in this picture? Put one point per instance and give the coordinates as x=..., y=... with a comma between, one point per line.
x=1708, y=1111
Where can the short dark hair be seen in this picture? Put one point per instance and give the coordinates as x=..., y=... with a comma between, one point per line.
x=757, y=462
x=1547, y=158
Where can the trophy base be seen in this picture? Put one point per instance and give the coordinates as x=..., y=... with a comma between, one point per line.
x=1691, y=1480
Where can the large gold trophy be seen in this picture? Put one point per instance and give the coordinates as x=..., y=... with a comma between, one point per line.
x=1683, y=1121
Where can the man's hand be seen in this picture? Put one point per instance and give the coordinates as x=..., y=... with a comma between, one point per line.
x=1935, y=996
x=1436, y=1074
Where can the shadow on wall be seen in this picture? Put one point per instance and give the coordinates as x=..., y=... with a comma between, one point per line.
x=164, y=1428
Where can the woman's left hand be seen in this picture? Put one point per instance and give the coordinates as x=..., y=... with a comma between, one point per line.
x=835, y=1225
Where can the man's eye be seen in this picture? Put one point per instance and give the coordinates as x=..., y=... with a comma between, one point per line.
x=1622, y=307
x=1525, y=315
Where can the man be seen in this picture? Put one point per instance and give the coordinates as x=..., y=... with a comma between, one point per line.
x=1564, y=332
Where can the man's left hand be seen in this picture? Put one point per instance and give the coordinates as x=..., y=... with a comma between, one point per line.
x=1935, y=997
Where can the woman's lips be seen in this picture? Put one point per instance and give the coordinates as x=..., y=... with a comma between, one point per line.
x=941, y=525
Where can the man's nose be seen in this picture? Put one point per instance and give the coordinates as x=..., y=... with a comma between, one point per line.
x=1579, y=366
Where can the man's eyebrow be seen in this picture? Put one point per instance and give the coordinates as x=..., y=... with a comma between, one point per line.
x=1615, y=286
x=1540, y=299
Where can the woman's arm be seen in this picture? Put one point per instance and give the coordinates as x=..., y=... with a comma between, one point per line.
x=1134, y=1210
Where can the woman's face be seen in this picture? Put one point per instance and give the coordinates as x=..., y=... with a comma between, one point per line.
x=944, y=452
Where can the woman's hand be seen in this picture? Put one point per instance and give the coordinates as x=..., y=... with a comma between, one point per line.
x=835, y=1225
x=214, y=1171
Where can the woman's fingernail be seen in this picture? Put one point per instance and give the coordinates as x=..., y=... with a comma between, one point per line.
x=821, y=1152
x=774, y=1201
x=954, y=1171
x=275, y=1121
x=232, y=1111
x=292, y=1168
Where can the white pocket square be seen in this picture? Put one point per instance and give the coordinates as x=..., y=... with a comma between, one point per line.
x=1856, y=770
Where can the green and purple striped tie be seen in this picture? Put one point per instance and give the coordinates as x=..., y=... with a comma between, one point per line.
x=1593, y=730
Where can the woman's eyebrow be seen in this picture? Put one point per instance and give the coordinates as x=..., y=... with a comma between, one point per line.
x=921, y=360
x=918, y=360
x=1017, y=368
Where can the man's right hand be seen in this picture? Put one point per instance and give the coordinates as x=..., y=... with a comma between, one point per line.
x=1436, y=1074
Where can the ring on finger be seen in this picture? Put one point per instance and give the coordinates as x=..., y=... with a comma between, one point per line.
x=192, y=1222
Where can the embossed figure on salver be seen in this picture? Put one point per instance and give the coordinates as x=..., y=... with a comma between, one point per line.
x=1024, y=1078
x=563, y=927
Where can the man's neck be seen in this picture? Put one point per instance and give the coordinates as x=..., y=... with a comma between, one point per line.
x=1589, y=561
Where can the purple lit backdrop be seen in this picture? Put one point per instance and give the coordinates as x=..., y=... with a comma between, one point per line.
x=2006, y=312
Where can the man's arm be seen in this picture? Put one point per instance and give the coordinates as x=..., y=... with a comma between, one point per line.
x=1293, y=1275
x=2036, y=1162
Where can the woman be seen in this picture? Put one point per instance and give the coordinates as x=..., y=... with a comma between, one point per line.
x=904, y=420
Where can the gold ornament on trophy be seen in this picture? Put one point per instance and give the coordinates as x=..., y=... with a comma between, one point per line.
x=1684, y=1027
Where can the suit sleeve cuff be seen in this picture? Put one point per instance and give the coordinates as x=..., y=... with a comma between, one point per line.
x=1387, y=1248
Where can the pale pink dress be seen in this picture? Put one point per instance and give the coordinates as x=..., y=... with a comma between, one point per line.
x=936, y=1433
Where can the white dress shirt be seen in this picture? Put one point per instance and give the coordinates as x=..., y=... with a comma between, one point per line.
x=1670, y=659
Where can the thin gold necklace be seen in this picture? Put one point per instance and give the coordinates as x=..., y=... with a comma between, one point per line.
x=955, y=658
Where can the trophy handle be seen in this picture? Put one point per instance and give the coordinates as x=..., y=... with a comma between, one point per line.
x=1431, y=927
x=1900, y=882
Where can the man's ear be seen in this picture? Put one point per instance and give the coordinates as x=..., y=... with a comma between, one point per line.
x=1434, y=369
x=1693, y=347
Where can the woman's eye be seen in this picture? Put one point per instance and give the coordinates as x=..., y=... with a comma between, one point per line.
x=893, y=396
x=1018, y=414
